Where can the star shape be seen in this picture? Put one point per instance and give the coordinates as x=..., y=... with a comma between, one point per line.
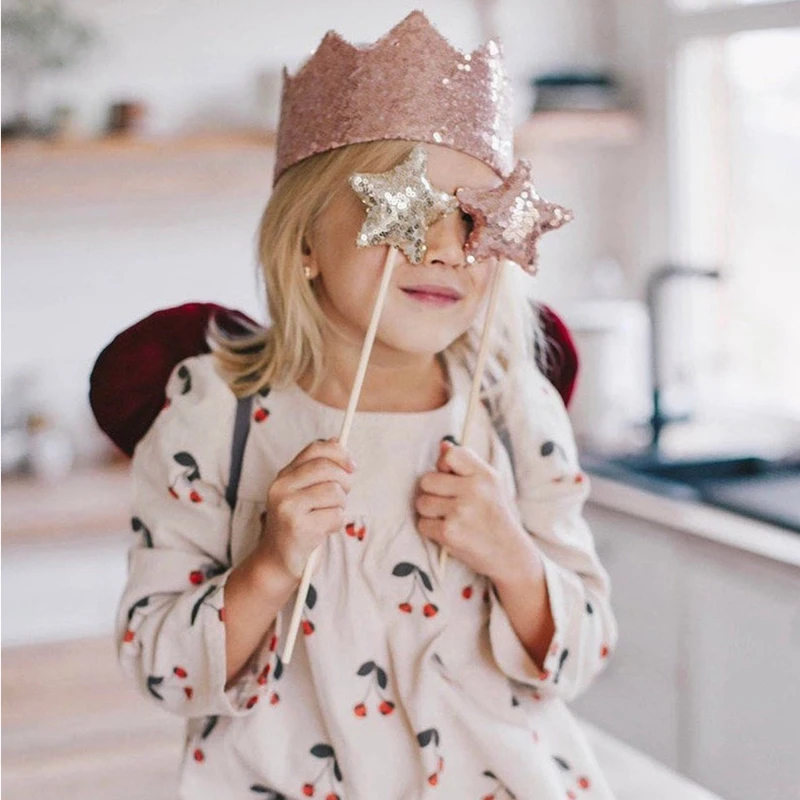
x=509, y=219
x=401, y=205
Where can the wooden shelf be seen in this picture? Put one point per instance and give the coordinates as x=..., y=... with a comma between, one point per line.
x=618, y=126
x=553, y=128
x=130, y=168
x=39, y=149
x=221, y=166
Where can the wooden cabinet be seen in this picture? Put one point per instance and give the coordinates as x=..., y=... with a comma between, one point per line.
x=705, y=677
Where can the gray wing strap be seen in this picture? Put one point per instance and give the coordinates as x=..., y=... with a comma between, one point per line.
x=241, y=428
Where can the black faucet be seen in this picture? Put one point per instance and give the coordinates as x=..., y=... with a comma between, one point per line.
x=655, y=282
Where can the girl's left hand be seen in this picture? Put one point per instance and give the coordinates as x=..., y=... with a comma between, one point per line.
x=464, y=507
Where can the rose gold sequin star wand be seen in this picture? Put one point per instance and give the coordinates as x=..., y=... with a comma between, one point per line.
x=401, y=204
x=507, y=223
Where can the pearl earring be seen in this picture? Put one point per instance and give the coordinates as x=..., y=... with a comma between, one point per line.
x=307, y=272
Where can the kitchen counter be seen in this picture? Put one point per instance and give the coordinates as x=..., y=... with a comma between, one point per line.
x=699, y=519
x=719, y=432
x=91, y=502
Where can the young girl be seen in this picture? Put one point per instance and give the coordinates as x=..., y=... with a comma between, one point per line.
x=403, y=684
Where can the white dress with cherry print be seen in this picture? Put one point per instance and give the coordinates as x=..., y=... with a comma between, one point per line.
x=400, y=687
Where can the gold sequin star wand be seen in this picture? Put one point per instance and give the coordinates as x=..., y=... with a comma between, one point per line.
x=507, y=224
x=401, y=205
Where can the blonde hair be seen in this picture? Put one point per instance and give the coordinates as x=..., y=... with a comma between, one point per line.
x=292, y=345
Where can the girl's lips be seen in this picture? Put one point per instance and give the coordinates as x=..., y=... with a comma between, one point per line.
x=439, y=296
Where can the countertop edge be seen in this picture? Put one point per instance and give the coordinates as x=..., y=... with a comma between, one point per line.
x=715, y=524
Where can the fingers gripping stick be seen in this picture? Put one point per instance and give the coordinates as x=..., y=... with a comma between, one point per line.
x=476, y=381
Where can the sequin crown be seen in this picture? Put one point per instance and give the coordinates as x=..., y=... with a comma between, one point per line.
x=411, y=84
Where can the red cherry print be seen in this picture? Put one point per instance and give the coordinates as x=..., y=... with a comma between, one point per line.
x=583, y=782
x=273, y=643
x=252, y=701
x=221, y=614
x=262, y=678
x=167, y=403
x=180, y=672
x=571, y=795
x=274, y=699
x=173, y=492
x=430, y=610
x=189, y=692
x=308, y=627
x=350, y=529
x=199, y=756
x=128, y=636
x=196, y=577
x=261, y=414
x=466, y=592
x=545, y=675
x=360, y=710
x=406, y=607
x=433, y=779
x=332, y=796
x=308, y=790
x=604, y=651
x=195, y=497
x=360, y=533
x=489, y=797
x=579, y=478
x=386, y=708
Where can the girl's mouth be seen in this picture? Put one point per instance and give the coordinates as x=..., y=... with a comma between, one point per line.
x=432, y=295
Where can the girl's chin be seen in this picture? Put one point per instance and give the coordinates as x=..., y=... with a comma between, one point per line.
x=421, y=345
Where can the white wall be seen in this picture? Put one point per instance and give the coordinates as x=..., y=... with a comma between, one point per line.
x=74, y=275
x=197, y=62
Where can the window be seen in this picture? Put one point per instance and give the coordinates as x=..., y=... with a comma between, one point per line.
x=736, y=113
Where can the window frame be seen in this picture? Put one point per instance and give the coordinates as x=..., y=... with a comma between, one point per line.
x=684, y=26
x=680, y=27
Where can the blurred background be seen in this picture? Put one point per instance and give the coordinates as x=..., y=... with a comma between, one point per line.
x=137, y=152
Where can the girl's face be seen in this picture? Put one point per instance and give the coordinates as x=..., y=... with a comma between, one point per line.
x=428, y=305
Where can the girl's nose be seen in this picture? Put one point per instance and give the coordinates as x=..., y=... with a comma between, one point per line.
x=445, y=241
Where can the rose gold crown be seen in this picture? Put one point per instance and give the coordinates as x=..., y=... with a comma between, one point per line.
x=411, y=85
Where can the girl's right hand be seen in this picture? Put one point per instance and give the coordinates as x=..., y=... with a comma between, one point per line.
x=305, y=503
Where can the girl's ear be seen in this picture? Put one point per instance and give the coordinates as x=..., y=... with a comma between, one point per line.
x=310, y=270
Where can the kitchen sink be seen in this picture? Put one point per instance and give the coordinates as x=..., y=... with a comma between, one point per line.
x=761, y=488
x=694, y=472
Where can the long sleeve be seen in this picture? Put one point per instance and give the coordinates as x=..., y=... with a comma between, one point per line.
x=551, y=492
x=170, y=625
